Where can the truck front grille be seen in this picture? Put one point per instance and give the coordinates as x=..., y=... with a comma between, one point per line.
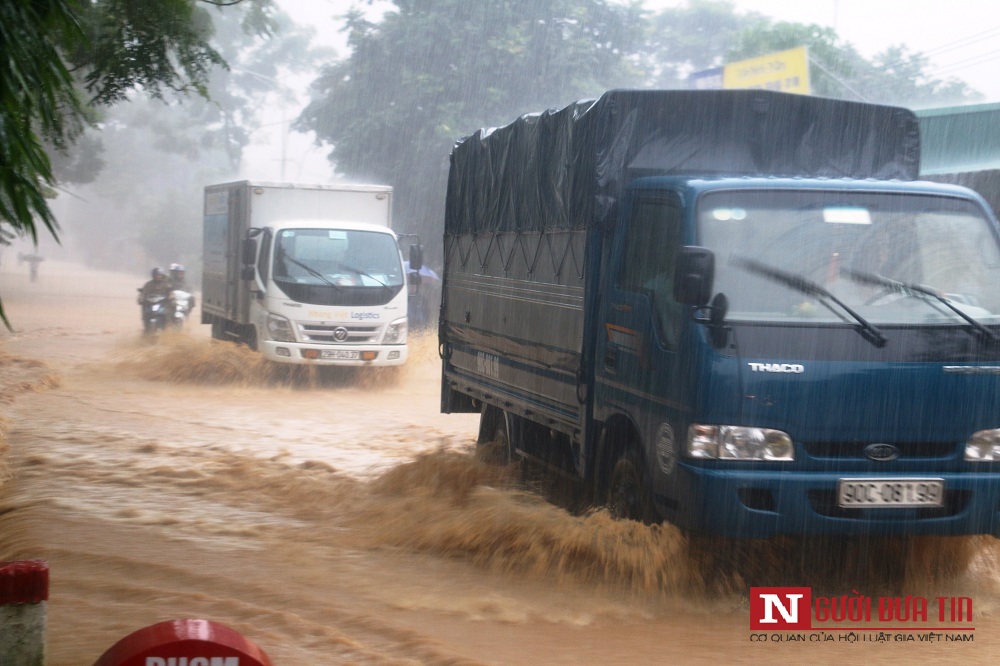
x=327, y=334
x=856, y=450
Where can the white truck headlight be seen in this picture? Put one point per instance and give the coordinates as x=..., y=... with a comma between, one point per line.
x=279, y=328
x=983, y=446
x=395, y=333
x=708, y=442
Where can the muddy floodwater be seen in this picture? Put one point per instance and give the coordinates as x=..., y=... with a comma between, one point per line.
x=338, y=518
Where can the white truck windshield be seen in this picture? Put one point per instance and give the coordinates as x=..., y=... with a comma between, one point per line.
x=892, y=258
x=337, y=258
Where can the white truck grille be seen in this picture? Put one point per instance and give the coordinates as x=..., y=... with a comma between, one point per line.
x=340, y=335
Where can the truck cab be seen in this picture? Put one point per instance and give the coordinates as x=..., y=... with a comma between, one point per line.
x=328, y=292
x=737, y=310
x=307, y=274
x=805, y=355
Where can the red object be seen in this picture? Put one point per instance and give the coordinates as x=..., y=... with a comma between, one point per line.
x=24, y=582
x=780, y=608
x=184, y=643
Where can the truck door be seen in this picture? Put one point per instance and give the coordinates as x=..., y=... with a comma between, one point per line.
x=637, y=352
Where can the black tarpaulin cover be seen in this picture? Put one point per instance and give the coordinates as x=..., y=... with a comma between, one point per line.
x=566, y=169
x=985, y=182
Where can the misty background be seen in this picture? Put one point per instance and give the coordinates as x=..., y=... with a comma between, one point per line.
x=383, y=97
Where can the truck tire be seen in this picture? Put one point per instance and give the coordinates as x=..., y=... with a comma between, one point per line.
x=250, y=337
x=494, y=442
x=628, y=493
x=218, y=329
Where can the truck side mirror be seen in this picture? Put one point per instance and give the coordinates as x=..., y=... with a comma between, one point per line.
x=416, y=257
x=694, y=275
x=249, y=252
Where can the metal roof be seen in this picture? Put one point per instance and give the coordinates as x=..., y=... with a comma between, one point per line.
x=959, y=138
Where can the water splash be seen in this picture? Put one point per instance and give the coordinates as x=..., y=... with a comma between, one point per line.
x=453, y=505
x=181, y=358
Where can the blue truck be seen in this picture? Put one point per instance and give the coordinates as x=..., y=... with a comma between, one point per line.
x=738, y=311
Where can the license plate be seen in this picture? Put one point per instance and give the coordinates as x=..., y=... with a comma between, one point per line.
x=339, y=354
x=901, y=493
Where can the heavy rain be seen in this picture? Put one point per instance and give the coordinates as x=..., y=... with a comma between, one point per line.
x=332, y=513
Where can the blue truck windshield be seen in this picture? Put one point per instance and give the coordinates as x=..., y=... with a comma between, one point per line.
x=902, y=259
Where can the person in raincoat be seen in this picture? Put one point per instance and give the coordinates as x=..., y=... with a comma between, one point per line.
x=157, y=285
x=416, y=303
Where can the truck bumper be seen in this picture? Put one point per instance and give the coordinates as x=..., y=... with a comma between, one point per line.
x=756, y=504
x=346, y=355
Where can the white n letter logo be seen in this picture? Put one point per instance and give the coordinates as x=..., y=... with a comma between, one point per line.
x=773, y=601
x=780, y=607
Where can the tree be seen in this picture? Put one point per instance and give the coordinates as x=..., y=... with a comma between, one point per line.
x=433, y=71
x=38, y=100
x=146, y=204
x=895, y=76
x=709, y=33
x=899, y=76
x=62, y=56
x=691, y=38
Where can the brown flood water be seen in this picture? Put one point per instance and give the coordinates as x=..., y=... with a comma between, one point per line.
x=340, y=518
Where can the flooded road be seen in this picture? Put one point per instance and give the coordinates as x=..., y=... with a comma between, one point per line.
x=341, y=519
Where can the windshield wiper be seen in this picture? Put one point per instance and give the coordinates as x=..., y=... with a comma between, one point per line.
x=363, y=274
x=819, y=292
x=916, y=291
x=309, y=269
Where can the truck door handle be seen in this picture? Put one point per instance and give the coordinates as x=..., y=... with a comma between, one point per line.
x=610, y=358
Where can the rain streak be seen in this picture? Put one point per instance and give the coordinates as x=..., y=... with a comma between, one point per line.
x=338, y=516
x=462, y=332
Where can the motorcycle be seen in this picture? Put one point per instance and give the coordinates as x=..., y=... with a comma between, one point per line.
x=154, y=314
x=182, y=308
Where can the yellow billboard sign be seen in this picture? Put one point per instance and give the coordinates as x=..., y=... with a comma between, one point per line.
x=784, y=71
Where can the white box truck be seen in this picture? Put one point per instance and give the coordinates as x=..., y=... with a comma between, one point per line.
x=306, y=273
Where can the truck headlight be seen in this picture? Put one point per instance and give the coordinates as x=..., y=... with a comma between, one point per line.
x=395, y=333
x=708, y=442
x=279, y=328
x=983, y=446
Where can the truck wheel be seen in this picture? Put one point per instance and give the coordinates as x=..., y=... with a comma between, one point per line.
x=250, y=337
x=628, y=496
x=493, y=444
x=218, y=330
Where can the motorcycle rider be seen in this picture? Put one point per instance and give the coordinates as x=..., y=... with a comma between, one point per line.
x=158, y=285
x=177, y=277
x=179, y=282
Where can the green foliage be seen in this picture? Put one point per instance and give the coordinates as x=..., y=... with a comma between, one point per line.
x=709, y=33
x=161, y=153
x=7, y=237
x=425, y=74
x=899, y=77
x=115, y=46
x=435, y=70
x=37, y=101
x=896, y=76
x=36, y=97
x=137, y=43
x=692, y=38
